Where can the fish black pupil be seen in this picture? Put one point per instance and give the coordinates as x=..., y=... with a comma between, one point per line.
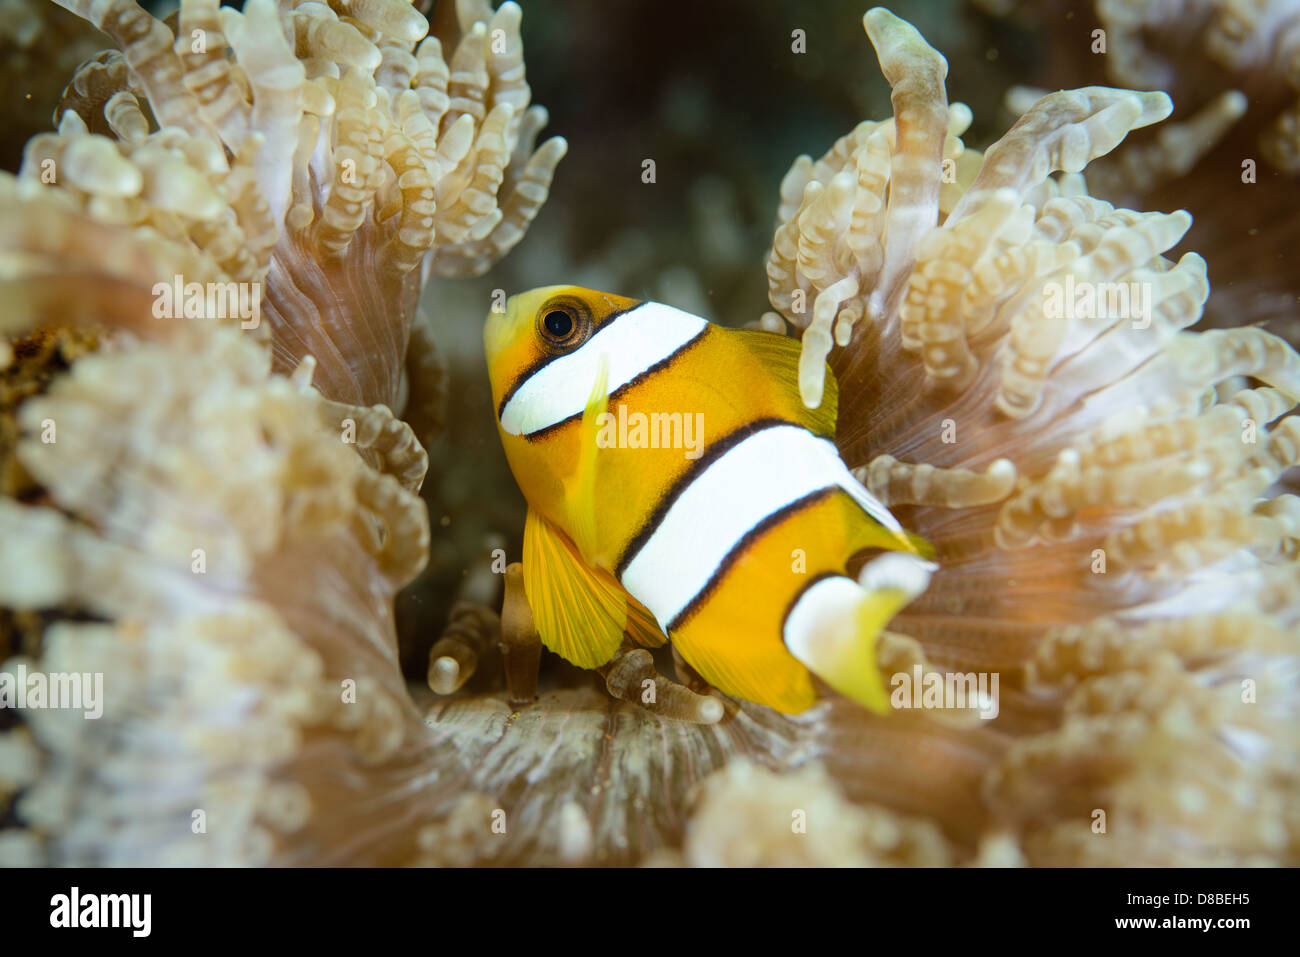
x=559, y=324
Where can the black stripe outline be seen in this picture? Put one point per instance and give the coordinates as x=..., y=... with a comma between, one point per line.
x=686, y=479
x=531, y=370
x=632, y=383
x=803, y=590
x=742, y=546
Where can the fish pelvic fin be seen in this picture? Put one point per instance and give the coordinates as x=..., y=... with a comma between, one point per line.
x=834, y=626
x=581, y=612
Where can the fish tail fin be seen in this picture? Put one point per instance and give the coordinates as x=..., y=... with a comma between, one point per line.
x=920, y=545
x=834, y=625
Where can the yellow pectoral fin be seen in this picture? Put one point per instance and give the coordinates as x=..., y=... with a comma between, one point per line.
x=580, y=612
x=581, y=490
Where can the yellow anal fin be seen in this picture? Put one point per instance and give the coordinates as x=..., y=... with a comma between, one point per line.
x=780, y=356
x=580, y=612
x=729, y=659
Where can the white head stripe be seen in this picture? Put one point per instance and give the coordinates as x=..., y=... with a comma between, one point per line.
x=761, y=475
x=632, y=343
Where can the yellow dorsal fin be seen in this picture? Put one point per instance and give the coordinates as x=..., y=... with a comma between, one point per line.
x=581, y=490
x=580, y=612
x=780, y=355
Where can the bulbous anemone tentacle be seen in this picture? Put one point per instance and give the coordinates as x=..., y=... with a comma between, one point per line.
x=326, y=152
x=1103, y=486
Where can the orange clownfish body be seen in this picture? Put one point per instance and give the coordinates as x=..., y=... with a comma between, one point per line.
x=678, y=488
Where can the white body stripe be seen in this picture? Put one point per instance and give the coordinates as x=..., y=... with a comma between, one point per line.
x=633, y=342
x=870, y=504
x=762, y=474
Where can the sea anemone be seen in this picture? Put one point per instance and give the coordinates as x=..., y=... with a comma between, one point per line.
x=327, y=160
x=334, y=156
x=1101, y=485
x=1232, y=153
x=1099, y=482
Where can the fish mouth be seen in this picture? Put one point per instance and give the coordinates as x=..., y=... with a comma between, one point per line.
x=502, y=325
x=498, y=328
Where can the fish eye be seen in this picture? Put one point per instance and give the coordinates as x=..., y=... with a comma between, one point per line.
x=559, y=324
x=563, y=325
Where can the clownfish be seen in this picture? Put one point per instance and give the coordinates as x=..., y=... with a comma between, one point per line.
x=678, y=488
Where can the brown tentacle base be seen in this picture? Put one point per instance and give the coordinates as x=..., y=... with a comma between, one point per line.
x=520, y=644
x=471, y=630
x=630, y=676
